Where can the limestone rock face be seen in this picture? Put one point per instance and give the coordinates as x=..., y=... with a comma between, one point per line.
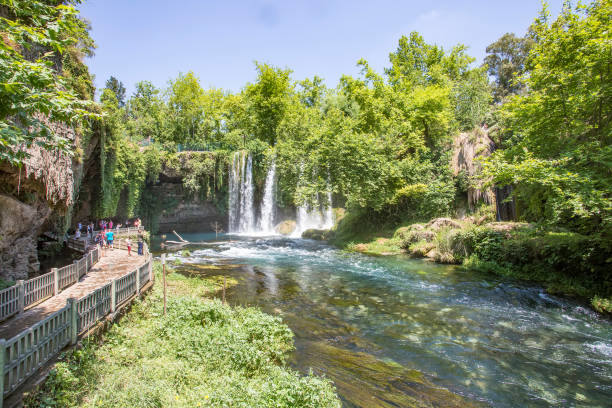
x=178, y=211
x=316, y=234
x=191, y=217
x=41, y=191
x=438, y=223
x=20, y=225
x=286, y=227
x=468, y=148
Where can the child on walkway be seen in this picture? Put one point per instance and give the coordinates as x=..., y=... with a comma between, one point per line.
x=128, y=243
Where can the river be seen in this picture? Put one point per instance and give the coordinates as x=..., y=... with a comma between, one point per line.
x=398, y=332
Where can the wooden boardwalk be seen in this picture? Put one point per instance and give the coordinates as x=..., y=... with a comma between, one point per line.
x=113, y=264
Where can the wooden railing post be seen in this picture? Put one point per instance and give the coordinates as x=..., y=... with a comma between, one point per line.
x=73, y=320
x=2, y=354
x=113, y=295
x=151, y=274
x=21, y=299
x=55, y=281
x=138, y=282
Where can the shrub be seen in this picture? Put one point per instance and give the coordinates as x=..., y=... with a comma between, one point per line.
x=421, y=249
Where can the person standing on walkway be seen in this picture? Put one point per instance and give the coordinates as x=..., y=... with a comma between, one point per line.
x=140, y=243
x=110, y=224
x=128, y=244
x=110, y=238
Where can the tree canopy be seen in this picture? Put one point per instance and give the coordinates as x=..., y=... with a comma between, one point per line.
x=35, y=38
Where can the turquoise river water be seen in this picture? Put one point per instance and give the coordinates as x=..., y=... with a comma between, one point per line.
x=397, y=332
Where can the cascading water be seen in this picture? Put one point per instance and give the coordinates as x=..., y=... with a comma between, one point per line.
x=241, y=211
x=247, y=213
x=234, y=193
x=241, y=207
x=266, y=222
x=313, y=218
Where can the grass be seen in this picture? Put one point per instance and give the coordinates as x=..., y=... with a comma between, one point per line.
x=355, y=233
x=201, y=354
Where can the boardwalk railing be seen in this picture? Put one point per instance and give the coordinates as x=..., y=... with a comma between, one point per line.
x=25, y=353
x=80, y=244
x=17, y=298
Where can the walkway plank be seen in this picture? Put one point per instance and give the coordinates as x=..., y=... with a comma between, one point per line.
x=113, y=264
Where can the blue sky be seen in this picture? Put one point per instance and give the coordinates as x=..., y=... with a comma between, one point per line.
x=219, y=40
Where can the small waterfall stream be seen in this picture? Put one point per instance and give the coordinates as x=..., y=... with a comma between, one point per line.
x=234, y=193
x=266, y=222
x=247, y=216
x=328, y=220
x=319, y=217
x=241, y=210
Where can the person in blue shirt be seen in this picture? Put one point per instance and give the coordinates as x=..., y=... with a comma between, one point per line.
x=110, y=238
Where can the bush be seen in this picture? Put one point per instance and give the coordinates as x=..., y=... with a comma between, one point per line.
x=421, y=249
x=567, y=262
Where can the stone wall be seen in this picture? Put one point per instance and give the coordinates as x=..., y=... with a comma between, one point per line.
x=182, y=212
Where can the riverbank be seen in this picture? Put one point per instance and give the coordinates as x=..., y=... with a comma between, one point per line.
x=565, y=263
x=202, y=353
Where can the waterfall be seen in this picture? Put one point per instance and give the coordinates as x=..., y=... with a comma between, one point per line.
x=314, y=218
x=234, y=193
x=266, y=222
x=241, y=211
x=247, y=214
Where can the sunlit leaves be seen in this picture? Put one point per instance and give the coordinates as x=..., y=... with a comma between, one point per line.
x=30, y=87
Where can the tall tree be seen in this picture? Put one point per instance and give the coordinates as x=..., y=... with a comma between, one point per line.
x=506, y=63
x=185, y=107
x=145, y=112
x=268, y=99
x=561, y=157
x=118, y=89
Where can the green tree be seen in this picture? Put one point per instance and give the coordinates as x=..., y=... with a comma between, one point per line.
x=561, y=155
x=118, y=89
x=35, y=36
x=267, y=100
x=506, y=63
x=145, y=112
x=186, y=113
x=472, y=98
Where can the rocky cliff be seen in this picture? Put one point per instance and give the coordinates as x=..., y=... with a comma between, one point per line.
x=172, y=203
x=468, y=149
x=28, y=197
x=182, y=212
x=37, y=197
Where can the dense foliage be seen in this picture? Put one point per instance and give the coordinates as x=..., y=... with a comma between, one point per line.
x=36, y=40
x=557, y=135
